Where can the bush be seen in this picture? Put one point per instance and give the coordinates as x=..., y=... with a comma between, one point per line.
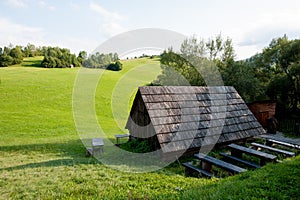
x=137, y=146
x=117, y=66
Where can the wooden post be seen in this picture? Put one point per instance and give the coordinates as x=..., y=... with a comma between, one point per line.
x=236, y=153
x=206, y=166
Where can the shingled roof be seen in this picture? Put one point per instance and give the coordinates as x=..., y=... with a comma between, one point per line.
x=184, y=117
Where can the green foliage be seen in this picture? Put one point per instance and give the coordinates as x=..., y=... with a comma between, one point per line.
x=81, y=57
x=242, y=77
x=137, y=146
x=117, y=66
x=279, y=70
x=102, y=61
x=55, y=57
x=192, y=67
x=10, y=56
x=30, y=51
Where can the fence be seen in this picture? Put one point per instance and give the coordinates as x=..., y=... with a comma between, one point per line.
x=290, y=126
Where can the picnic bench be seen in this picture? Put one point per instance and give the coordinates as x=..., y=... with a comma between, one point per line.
x=239, y=160
x=282, y=142
x=189, y=168
x=287, y=153
x=119, y=136
x=97, y=147
x=237, y=151
x=208, y=160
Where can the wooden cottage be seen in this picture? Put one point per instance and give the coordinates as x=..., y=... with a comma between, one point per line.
x=263, y=110
x=185, y=118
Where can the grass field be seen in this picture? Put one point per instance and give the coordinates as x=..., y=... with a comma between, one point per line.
x=42, y=156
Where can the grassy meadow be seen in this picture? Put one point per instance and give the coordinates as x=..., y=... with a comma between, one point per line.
x=42, y=157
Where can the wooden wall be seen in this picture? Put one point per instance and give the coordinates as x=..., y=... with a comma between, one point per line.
x=262, y=111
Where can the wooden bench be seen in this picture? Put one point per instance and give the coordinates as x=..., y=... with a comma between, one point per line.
x=119, y=136
x=97, y=147
x=287, y=153
x=270, y=140
x=219, y=163
x=244, y=162
x=189, y=167
x=238, y=150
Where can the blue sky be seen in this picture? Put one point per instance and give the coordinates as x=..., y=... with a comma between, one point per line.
x=83, y=25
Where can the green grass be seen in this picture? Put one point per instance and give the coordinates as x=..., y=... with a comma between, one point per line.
x=42, y=156
x=279, y=181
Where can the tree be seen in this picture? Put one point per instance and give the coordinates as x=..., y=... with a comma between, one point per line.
x=241, y=76
x=281, y=59
x=5, y=60
x=17, y=55
x=55, y=57
x=191, y=65
x=81, y=57
x=100, y=60
x=117, y=66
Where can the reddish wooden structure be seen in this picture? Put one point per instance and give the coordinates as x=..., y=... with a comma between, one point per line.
x=263, y=110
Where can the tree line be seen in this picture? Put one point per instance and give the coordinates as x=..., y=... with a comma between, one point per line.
x=103, y=61
x=273, y=74
x=56, y=57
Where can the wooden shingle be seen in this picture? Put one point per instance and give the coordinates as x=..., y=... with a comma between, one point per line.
x=184, y=117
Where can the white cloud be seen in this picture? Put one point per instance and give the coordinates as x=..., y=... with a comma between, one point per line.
x=105, y=13
x=18, y=34
x=111, y=24
x=17, y=3
x=253, y=33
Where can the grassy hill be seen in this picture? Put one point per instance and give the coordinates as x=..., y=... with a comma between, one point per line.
x=42, y=156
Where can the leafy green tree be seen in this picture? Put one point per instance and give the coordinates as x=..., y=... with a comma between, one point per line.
x=280, y=61
x=5, y=60
x=55, y=57
x=17, y=55
x=82, y=56
x=100, y=60
x=242, y=77
x=117, y=66
x=192, y=66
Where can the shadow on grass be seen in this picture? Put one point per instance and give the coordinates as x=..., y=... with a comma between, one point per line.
x=32, y=63
x=73, y=149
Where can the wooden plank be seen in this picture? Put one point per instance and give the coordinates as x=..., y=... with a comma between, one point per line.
x=288, y=153
x=219, y=163
x=281, y=141
x=245, y=162
x=189, y=166
x=263, y=156
x=287, y=144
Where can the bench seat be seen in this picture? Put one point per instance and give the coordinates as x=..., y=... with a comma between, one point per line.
x=245, y=162
x=190, y=167
x=219, y=163
x=287, y=153
x=238, y=150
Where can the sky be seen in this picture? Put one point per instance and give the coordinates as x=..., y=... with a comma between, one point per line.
x=84, y=25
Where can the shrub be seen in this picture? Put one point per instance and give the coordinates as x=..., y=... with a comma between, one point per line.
x=117, y=66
